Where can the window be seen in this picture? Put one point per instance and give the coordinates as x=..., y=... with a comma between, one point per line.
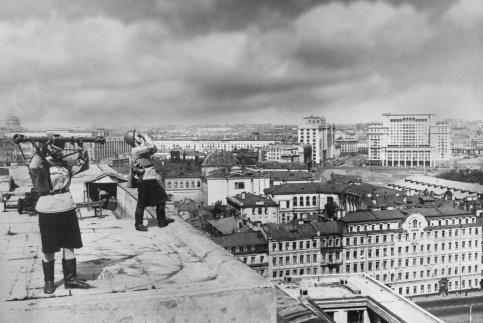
x=294, y=201
x=314, y=200
x=239, y=185
x=301, y=200
x=307, y=200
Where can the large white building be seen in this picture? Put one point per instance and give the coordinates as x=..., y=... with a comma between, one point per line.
x=211, y=145
x=317, y=133
x=409, y=140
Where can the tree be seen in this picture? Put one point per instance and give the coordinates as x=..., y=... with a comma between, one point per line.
x=331, y=209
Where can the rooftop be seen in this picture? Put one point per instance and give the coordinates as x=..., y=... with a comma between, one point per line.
x=175, y=273
x=219, y=158
x=326, y=291
x=430, y=180
x=251, y=200
x=240, y=239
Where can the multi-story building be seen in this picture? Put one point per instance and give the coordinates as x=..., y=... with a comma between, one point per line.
x=282, y=153
x=315, y=131
x=347, y=145
x=248, y=247
x=415, y=251
x=409, y=140
x=211, y=145
x=303, y=200
x=292, y=250
x=225, y=182
x=255, y=209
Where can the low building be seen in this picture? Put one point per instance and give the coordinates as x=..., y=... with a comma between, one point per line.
x=282, y=153
x=249, y=247
x=223, y=226
x=222, y=183
x=254, y=209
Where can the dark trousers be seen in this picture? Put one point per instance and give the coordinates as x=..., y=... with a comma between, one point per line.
x=160, y=212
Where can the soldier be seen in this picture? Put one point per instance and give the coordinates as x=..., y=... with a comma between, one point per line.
x=150, y=192
x=59, y=228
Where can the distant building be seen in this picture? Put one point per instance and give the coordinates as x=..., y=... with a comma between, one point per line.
x=223, y=227
x=409, y=140
x=347, y=146
x=12, y=123
x=282, y=153
x=113, y=148
x=211, y=145
x=218, y=159
x=315, y=131
x=288, y=176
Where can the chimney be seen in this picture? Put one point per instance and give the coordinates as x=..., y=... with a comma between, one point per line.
x=243, y=195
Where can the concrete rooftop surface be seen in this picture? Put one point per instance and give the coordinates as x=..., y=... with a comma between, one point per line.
x=171, y=274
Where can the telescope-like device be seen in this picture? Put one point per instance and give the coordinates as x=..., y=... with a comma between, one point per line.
x=19, y=138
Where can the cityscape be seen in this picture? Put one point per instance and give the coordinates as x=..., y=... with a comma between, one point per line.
x=241, y=161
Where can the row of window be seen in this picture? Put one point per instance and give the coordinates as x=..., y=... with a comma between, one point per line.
x=294, y=245
x=452, y=285
x=414, y=236
x=294, y=272
x=442, y=247
x=183, y=184
x=358, y=255
x=294, y=260
x=417, y=224
x=378, y=265
x=300, y=201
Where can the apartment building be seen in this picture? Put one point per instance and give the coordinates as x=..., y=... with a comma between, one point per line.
x=317, y=133
x=409, y=140
x=255, y=209
x=415, y=251
x=292, y=250
x=249, y=247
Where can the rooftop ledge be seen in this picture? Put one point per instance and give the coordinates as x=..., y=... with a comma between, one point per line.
x=170, y=274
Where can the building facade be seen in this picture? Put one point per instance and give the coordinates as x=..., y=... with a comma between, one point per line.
x=415, y=251
x=317, y=133
x=255, y=209
x=409, y=140
x=211, y=145
x=282, y=153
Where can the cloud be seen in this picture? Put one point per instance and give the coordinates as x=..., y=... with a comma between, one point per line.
x=111, y=63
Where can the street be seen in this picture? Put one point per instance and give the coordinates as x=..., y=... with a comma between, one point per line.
x=456, y=310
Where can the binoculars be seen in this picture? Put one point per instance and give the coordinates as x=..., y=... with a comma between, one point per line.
x=57, y=139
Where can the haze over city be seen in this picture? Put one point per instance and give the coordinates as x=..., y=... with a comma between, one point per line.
x=111, y=63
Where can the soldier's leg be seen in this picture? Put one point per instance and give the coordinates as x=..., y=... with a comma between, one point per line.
x=69, y=266
x=48, y=264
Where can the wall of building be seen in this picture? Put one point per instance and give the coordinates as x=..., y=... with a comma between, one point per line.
x=218, y=189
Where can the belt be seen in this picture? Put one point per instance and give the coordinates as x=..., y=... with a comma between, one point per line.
x=53, y=192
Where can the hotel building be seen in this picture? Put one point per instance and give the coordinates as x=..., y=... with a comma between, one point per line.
x=409, y=140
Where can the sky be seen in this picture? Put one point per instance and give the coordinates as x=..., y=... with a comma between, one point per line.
x=99, y=63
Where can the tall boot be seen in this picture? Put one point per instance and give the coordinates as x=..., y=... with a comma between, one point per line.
x=48, y=268
x=70, y=275
x=161, y=215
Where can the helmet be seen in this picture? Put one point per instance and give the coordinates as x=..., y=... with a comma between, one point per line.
x=129, y=137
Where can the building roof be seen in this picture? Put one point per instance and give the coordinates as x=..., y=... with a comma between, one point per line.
x=289, y=231
x=430, y=180
x=226, y=225
x=220, y=158
x=287, y=176
x=329, y=227
x=171, y=169
x=397, y=215
x=240, y=239
x=251, y=200
x=301, y=188
x=225, y=173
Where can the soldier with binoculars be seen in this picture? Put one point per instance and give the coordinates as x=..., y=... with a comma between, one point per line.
x=150, y=192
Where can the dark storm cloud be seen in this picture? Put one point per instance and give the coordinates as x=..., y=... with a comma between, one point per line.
x=99, y=62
